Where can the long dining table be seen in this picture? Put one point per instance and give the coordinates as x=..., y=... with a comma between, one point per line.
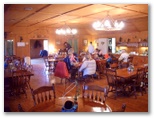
x=8, y=76
x=84, y=105
x=124, y=73
x=126, y=76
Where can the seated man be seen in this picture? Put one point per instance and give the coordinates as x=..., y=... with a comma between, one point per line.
x=124, y=56
x=123, y=59
x=88, y=66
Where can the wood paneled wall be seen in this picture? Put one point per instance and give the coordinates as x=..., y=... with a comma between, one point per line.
x=57, y=41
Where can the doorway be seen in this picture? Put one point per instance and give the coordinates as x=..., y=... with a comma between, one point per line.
x=36, y=45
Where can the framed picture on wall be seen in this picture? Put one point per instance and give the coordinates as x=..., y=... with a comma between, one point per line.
x=85, y=42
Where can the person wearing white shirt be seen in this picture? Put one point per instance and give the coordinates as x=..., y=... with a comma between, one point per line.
x=91, y=48
x=124, y=56
x=88, y=67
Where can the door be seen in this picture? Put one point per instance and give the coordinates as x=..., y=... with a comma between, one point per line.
x=36, y=45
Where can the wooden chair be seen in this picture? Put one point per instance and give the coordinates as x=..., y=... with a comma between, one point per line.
x=122, y=109
x=139, y=83
x=101, y=65
x=113, y=83
x=130, y=59
x=95, y=92
x=124, y=65
x=18, y=82
x=47, y=65
x=146, y=76
x=43, y=93
x=114, y=65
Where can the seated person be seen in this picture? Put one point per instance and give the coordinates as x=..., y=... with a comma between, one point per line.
x=88, y=67
x=98, y=52
x=70, y=61
x=124, y=56
x=123, y=59
x=108, y=60
x=76, y=56
x=96, y=57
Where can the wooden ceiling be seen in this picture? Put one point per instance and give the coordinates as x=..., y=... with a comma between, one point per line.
x=81, y=16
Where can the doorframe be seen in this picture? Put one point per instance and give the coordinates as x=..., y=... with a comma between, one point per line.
x=37, y=39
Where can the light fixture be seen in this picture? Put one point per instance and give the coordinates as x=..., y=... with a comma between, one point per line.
x=66, y=30
x=108, y=24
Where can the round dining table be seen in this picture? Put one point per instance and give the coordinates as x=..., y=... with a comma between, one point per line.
x=83, y=105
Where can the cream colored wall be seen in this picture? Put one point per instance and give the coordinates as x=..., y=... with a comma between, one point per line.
x=48, y=33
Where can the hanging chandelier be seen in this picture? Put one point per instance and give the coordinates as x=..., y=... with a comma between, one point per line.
x=108, y=24
x=66, y=30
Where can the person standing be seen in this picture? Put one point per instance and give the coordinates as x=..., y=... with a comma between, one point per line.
x=67, y=46
x=91, y=48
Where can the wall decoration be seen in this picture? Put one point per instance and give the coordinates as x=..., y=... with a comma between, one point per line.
x=20, y=38
x=85, y=42
x=20, y=44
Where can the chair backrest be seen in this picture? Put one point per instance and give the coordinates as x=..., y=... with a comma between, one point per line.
x=140, y=75
x=124, y=64
x=42, y=94
x=95, y=92
x=111, y=76
x=101, y=65
x=61, y=70
x=114, y=65
x=19, y=81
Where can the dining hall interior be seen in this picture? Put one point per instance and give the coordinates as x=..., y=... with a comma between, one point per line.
x=76, y=58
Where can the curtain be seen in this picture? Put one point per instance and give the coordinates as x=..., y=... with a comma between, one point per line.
x=74, y=44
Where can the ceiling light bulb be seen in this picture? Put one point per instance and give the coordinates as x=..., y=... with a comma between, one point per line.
x=57, y=31
x=107, y=23
x=74, y=31
x=121, y=24
x=96, y=24
x=68, y=31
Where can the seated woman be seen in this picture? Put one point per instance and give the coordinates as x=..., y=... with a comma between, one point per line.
x=99, y=53
x=70, y=61
x=88, y=67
